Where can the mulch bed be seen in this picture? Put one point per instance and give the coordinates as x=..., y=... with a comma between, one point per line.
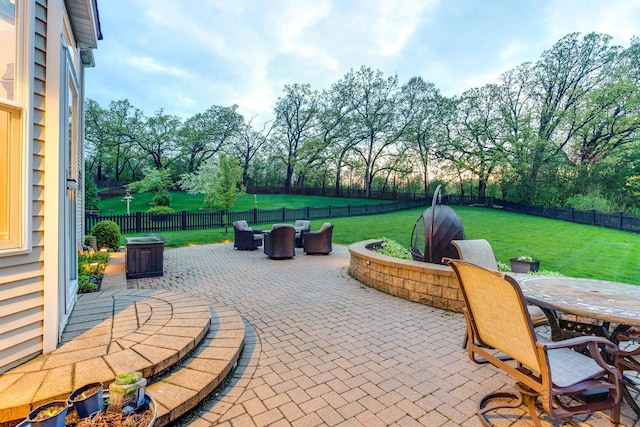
x=110, y=419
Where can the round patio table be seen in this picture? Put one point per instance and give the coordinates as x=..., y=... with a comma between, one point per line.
x=611, y=302
x=616, y=307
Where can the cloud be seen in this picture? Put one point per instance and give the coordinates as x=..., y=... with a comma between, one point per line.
x=185, y=56
x=150, y=65
x=617, y=18
x=394, y=24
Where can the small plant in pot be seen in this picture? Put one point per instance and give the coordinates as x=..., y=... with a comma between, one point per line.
x=87, y=400
x=50, y=414
x=524, y=264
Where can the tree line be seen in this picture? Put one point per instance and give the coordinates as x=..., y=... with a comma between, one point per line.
x=563, y=130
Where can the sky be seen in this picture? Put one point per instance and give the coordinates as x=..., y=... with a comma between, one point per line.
x=184, y=56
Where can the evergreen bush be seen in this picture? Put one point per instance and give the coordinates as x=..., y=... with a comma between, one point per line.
x=107, y=234
x=91, y=200
x=162, y=198
x=160, y=210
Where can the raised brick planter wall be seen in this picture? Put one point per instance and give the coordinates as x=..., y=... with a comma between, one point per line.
x=430, y=284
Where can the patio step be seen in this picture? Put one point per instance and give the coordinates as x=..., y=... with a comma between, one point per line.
x=151, y=331
x=203, y=371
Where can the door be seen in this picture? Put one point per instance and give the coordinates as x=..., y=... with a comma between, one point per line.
x=70, y=149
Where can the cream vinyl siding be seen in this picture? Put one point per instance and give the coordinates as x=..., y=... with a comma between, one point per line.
x=21, y=276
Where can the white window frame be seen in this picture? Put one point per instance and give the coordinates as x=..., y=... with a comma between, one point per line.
x=19, y=192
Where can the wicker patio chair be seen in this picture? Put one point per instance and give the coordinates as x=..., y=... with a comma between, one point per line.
x=319, y=242
x=279, y=243
x=302, y=226
x=480, y=252
x=245, y=237
x=549, y=372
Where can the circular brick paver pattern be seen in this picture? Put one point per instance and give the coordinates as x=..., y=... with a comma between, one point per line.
x=329, y=350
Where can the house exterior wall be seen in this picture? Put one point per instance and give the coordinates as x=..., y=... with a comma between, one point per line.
x=21, y=275
x=31, y=289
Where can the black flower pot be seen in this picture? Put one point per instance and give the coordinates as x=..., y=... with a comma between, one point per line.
x=55, y=420
x=89, y=403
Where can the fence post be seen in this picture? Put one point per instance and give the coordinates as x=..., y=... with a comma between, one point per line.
x=255, y=215
x=309, y=210
x=329, y=211
x=184, y=220
x=138, y=222
x=284, y=213
x=620, y=220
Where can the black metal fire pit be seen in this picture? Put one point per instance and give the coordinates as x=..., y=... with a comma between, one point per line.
x=433, y=232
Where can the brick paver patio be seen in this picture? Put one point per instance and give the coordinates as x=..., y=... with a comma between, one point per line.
x=323, y=349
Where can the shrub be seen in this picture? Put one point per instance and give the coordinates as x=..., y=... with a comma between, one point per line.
x=107, y=234
x=159, y=210
x=392, y=248
x=91, y=200
x=162, y=198
x=90, y=270
x=593, y=200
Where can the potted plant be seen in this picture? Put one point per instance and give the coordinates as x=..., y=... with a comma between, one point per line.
x=524, y=264
x=87, y=399
x=50, y=414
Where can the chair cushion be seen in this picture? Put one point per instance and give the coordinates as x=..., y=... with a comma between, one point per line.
x=241, y=225
x=569, y=367
x=281, y=226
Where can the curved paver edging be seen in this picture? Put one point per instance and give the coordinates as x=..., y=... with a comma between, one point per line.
x=108, y=333
x=431, y=284
x=204, y=370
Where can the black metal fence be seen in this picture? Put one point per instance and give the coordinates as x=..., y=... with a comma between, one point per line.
x=142, y=222
x=616, y=220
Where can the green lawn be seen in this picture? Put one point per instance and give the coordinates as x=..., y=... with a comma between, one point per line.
x=181, y=201
x=567, y=248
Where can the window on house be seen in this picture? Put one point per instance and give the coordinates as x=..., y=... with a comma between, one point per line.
x=11, y=138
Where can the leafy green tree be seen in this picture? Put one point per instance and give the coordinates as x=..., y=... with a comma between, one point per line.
x=203, y=181
x=248, y=143
x=227, y=185
x=205, y=134
x=376, y=121
x=430, y=115
x=156, y=180
x=295, y=118
x=91, y=200
x=159, y=139
x=476, y=146
x=564, y=78
x=333, y=129
x=111, y=135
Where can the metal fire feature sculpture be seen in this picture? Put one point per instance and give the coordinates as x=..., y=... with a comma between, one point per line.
x=434, y=230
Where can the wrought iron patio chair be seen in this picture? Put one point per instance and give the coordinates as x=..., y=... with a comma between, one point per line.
x=551, y=373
